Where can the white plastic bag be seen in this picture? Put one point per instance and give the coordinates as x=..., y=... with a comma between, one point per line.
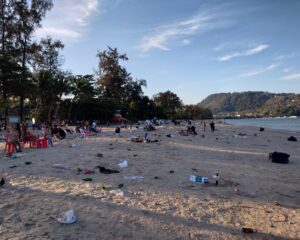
x=67, y=217
x=123, y=164
x=133, y=177
x=117, y=192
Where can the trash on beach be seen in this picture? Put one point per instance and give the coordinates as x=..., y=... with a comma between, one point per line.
x=67, y=217
x=292, y=139
x=240, y=135
x=171, y=171
x=279, y=157
x=15, y=155
x=87, y=179
x=194, y=178
x=106, y=170
x=248, y=230
x=13, y=166
x=117, y=192
x=120, y=185
x=133, y=177
x=261, y=129
x=28, y=163
x=73, y=145
x=123, y=164
x=100, y=155
x=59, y=166
x=170, y=135
x=88, y=171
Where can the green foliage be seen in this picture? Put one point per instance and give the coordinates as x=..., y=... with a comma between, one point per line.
x=169, y=102
x=254, y=103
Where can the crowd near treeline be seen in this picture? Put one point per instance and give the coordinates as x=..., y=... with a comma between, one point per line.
x=33, y=82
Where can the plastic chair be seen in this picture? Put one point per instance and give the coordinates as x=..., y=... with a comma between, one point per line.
x=41, y=143
x=9, y=148
x=83, y=133
x=32, y=142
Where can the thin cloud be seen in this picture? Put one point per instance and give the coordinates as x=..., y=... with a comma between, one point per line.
x=293, y=76
x=249, y=52
x=220, y=47
x=286, y=70
x=186, y=41
x=260, y=71
x=162, y=36
x=69, y=18
x=284, y=57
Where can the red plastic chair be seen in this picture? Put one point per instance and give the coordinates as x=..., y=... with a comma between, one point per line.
x=9, y=147
x=32, y=143
x=41, y=143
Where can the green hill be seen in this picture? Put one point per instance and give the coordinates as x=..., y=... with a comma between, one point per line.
x=253, y=104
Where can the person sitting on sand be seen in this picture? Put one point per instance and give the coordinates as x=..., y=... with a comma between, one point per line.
x=183, y=133
x=62, y=133
x=192, y=130
x=137, y=139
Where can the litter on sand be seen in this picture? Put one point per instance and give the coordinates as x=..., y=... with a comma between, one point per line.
x=123, y=164
x=117, y=192
x=133, y=177
x=106, y=170
x=67, y=217
x=59, y=166
x=194, y=178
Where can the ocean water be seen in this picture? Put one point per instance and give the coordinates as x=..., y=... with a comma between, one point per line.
x=289, y=124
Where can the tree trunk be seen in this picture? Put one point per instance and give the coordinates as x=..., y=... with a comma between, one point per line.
x=23, y=79
x=49, y=112
x=70, y=109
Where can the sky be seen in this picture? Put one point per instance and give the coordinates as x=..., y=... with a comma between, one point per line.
x=191, y=47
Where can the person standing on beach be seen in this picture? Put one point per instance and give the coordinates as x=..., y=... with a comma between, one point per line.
x=204, y=126
x=15, y=138
x=48, y=135
x=212, y=126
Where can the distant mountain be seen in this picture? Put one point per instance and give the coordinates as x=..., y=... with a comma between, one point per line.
x=253, y=104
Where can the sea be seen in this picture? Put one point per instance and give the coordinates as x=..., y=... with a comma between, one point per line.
x=289, y=124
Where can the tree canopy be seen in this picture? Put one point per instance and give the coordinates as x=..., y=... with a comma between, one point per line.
x=33, y=81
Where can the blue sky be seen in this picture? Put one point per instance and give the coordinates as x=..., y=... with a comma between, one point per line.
x=191, y=47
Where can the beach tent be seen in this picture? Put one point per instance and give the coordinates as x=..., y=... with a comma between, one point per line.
x=119, y=120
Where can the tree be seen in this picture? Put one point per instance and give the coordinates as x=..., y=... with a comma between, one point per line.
x=46, y=55
x=8, y=66
x=29, y=17
x=195, y=112
x=51, y=82
x=112, y=76
x=169, y=102
x=82, y=87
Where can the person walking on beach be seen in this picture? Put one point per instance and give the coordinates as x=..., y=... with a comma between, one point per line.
x=212, y=126
x=48, y=135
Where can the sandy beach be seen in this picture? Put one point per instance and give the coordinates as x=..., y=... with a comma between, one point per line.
x=253, y=192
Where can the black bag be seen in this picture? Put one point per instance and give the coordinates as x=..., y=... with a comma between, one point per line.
x=279, y=157
x=292, y=139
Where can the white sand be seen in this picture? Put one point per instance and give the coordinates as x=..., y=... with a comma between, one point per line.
x=169, y=207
